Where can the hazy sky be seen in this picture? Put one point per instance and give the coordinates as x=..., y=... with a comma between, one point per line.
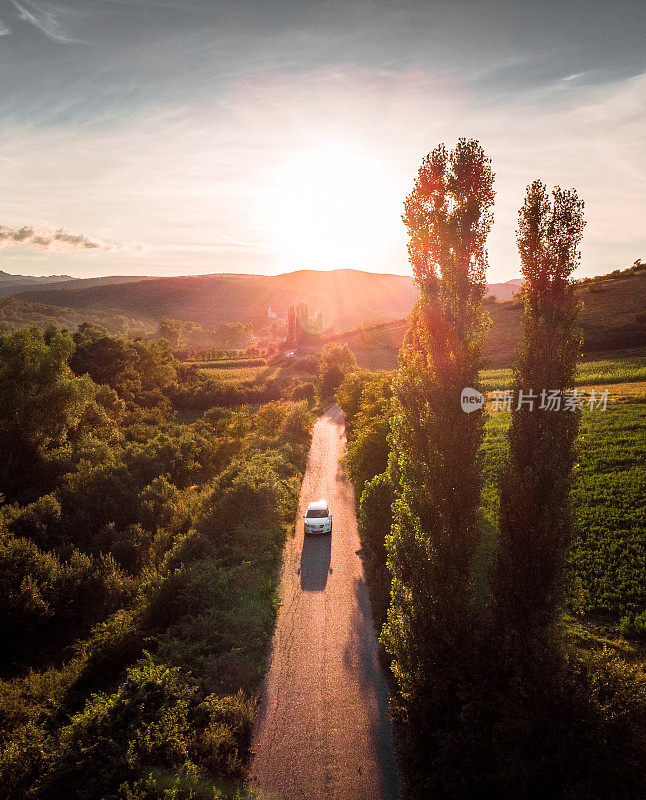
x=190, y=136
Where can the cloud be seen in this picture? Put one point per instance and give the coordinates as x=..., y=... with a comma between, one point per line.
x=202, y=182
x=45, y=20
x=59, y=238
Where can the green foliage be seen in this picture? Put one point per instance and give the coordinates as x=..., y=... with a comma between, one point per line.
x=365, y=398
x=190, y=340
x=368, y=448
x=304, y=391
x=297, y=424
x=46, y=599
x=40, y=400
x=348, y=396
x=140, y=371
x=16, y=313
x=435, y=534
x=156, y=729
x=534, y=506
x=337, y=360
x=375, y=523
x=138, y=577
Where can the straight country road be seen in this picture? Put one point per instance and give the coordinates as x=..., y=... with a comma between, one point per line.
x=323, y=729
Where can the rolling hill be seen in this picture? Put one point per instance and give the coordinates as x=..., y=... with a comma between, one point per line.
x=613, y=316
x=365, y=309
x=11, y=285
x=345, y=298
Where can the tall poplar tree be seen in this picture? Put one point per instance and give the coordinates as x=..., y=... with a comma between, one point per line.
x=435, y=532
x=535, y=490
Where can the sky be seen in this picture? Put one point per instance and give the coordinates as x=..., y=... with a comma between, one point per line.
x=168, y=137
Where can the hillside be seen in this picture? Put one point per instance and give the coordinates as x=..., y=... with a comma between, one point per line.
x=345, y=298
x=11, y=284
x=15, y=284
x=370, y=308
x=16, y=313
x=612, y=317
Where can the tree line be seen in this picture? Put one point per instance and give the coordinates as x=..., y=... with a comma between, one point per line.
x=490, y=700
x=139, y=559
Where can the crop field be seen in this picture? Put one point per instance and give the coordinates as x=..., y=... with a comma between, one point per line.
x=234, y=374
x=627, y=369
x=607, y=561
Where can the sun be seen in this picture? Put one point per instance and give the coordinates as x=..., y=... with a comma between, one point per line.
x=331, y=207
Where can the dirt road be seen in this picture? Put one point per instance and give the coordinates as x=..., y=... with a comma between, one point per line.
x=323, y=729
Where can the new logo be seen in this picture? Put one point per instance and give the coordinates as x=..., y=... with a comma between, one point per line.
x=471, y=399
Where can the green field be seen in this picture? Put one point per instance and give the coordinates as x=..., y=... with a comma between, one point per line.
x=618, y=370
x=607, y=561
x=235, y=374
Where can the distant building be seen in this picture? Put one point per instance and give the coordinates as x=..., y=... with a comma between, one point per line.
x=271, y=314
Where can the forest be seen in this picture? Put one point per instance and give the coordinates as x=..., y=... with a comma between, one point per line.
x=139, y=555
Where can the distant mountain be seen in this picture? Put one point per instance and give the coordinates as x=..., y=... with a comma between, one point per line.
x=6, y=277
x=15, y=284
x=12, y=284
x=345, y=298
x=506, y=290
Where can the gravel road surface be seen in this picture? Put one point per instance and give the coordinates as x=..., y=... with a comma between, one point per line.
x=323, y=729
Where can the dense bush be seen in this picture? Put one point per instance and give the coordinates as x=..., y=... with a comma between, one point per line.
x=137, y=572
x=368, y=445
x=374, y=522
x=337, y=360
x=365, y=399
x=156, y=732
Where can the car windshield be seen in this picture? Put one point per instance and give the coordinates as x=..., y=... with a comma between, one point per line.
x=316, y=513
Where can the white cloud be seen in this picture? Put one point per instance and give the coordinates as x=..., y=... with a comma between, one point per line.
x=200, y=181
x=57, y=238
x=45, y=19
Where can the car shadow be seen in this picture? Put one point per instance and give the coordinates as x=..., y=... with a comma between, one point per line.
x=315, y=562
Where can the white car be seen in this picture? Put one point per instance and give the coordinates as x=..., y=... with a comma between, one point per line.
x=318, y=518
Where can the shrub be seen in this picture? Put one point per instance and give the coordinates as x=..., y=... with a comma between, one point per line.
x=304, y=391
x=337, y=360
x=634, y=626
x=375, y=522
x=297, y=424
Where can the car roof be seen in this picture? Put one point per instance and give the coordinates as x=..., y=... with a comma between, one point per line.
x=318, y=505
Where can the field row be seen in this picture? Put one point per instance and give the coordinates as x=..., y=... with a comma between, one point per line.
x=607, y=560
